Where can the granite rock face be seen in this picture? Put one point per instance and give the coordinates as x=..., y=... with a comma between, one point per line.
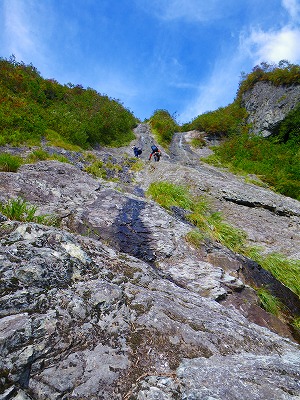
x=80, y=320
x=116, y=304
x=268, y=105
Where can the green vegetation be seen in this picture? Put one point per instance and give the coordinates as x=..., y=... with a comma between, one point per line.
x=283, y=73
x=269, y=302
x=19, y=210
x=97, y=169
x=223, y=121
x=210, y=224
x=111, y=169
x=198, y=141
x=283, y=269
x=137, y=165
x=275, y=160
x=276, y=164
x=56, y=140
x=9, y=162
x=42, y=155
x=296, y=323
x=33, y=107
x=168, y=194
x=289, y=129
x=164, y=126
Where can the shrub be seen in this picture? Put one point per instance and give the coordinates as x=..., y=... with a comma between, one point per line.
x=277, y=165
x=55, y=139
x=164, y=126
x=289, y=129
x=32, y=106
x=283, y=73
x=198, y=141
x=223, y=121
x=9, y=162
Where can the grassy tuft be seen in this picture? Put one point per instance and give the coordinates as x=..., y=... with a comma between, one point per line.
x=97, y=169
x=296, y=322
x=195, y=237
x=42, y=155
x=269, y=302
x=207, y=222
x=9, y=162
x=210, y=224
x=137, y=165
x=167, y=195
x=285, y=270
x=19, y=210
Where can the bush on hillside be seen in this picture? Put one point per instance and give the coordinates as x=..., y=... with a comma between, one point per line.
x=164, y=126
x=33, y=105
x=223, y=121
x=283, y=73
x=289, y=129
x=276, y=164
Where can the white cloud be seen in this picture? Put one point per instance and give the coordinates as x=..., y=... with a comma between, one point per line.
x=191, y=10
x=272, y=46
x=275, y=45
x=18, y=36
x=23, y=31
x=218, y=91
x=293, y=8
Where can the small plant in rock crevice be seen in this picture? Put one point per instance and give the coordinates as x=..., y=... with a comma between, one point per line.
x=19, y=210
x=296, y=323
x=269, y=302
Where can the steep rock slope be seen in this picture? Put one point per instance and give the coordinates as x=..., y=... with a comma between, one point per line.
x=117, y=305
x=268, y=105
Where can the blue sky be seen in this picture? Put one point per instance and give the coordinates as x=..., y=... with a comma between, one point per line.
x=185, y=56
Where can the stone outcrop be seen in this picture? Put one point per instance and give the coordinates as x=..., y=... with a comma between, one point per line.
x=80, y=320
x=268, y=105
x=116, y=304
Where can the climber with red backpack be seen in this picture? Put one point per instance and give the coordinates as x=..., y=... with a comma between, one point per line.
x=156, y=153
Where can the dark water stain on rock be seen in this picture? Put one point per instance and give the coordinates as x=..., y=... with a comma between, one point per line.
x=131, y=235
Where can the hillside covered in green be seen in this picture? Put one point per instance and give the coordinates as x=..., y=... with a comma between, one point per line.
x=276, y=159
x=32, y=108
